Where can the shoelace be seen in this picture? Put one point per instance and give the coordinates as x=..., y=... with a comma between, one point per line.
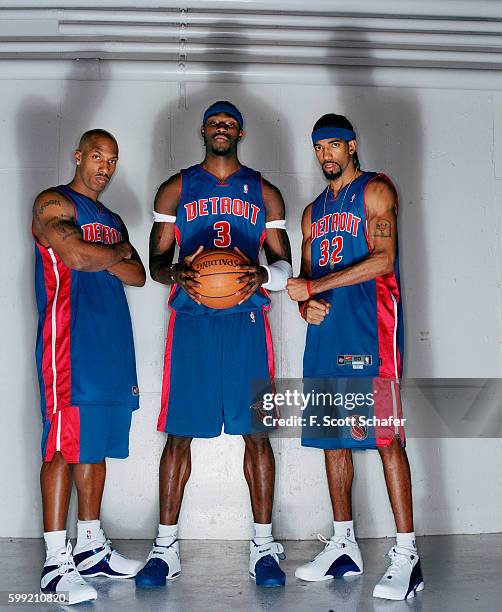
x=66, y=565
x=397, y=561
x=108, y=546
x=334, y=542
x=105, y=543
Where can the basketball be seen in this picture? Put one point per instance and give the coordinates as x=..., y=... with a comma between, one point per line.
x=218, y=277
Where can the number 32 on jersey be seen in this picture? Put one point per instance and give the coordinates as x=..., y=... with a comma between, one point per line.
x=336, y=248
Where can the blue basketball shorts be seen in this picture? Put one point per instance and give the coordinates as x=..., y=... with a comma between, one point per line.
x=357, y=412
x=87, y=434
x=210, y=364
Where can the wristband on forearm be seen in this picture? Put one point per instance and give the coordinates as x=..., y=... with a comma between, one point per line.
x=278, y=274
x=309, y=288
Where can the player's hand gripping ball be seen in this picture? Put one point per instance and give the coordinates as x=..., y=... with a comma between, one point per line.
x=219, y=272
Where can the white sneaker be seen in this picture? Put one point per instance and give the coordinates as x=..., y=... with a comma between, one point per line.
x=163, y=563
x=98, y=558
x=61, y=575
x=264, y=564
x=340, y=557
x=403, y=577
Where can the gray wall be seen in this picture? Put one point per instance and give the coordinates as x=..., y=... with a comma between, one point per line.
x=444, y=150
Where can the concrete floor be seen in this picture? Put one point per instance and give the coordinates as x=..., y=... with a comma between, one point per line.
x=462, y=573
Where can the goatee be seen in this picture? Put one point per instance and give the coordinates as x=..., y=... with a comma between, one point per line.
x=331, y=176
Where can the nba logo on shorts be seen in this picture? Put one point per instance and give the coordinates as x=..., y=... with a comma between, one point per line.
x=252, y=316
x=357, y=430
x=246, y=188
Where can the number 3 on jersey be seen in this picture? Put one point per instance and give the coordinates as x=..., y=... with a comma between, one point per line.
x=222, y=229
x=335, y=257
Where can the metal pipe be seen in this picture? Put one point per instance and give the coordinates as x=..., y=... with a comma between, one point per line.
x=275, y=53
x=317, y=37
x=423, y=8
x=122, y=70
x=256, y=20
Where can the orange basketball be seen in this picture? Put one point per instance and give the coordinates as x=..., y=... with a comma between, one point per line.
x=218, y=277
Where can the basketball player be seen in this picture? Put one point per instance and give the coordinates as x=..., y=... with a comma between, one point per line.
x=85, y=360
x=212, y=355
x=350, y=297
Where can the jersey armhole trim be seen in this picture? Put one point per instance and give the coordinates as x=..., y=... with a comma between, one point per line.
x=70, y=199
x=365, y=227
x=391, y=183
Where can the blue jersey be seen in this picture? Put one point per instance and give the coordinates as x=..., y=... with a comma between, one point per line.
x=219, y=214
x=363, y=333
x=85, y=350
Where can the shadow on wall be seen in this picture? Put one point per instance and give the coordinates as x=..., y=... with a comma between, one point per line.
x=32, y=113
x=388, y=122
x=179, y=123
x=75, y=110
x=88, y=105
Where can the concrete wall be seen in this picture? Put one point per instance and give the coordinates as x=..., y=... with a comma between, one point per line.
x=444, y=150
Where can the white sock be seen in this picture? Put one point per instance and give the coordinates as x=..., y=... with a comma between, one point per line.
x=406, y=540
x=55, y=541
x=263, y=533
x=167, y=534
x=87, y=531
x=344, y=529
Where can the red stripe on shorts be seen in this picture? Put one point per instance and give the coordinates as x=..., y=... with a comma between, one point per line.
x=166, y=379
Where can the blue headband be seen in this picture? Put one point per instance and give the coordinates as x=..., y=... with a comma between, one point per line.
x=332, y=132
x=224, y=107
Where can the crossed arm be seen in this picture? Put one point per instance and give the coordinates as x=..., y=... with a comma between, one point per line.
x=129, y=270
x=54, y=226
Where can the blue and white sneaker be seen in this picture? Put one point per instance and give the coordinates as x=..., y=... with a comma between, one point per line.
x=403, y=578
x=264, y=564
x=340, y=557
x=163, y=563
x=98, y=558
x=61, y=575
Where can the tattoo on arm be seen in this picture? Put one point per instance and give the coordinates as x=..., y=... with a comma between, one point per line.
x=64, y=227
x=383, y=229
x=46, y=204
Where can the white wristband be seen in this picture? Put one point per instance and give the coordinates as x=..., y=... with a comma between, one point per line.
x=278, y=274
x=161, y=218
x=276, y=224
